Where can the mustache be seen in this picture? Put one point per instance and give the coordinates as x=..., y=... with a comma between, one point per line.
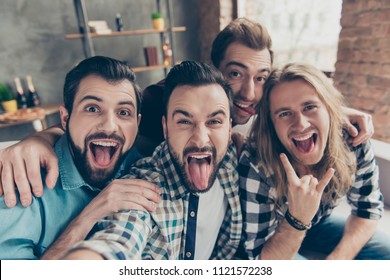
x=102, y=135
x=189, y=150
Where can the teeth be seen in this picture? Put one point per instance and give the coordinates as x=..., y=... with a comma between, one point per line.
x=303, y=138
x=200, y=156
x=105, y=144
x=242, y=105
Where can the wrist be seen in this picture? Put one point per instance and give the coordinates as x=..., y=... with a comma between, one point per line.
x=296, y=223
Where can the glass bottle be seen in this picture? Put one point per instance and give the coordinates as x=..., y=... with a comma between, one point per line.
x=22, y=99
x=33, y=98
x=119, y=22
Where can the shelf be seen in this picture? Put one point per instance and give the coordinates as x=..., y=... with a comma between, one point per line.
x=44, y=111
x=125, y=33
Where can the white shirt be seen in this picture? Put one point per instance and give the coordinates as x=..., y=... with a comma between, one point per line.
x=211, y=212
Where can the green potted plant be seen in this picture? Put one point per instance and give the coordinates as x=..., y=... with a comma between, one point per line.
x=157, y=21
x=7, y=99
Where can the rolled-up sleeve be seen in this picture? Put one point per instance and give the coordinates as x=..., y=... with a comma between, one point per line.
x=365, y=197
x=124, y=235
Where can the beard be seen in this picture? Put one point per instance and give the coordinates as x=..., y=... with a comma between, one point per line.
x=181, y=170
x=94, y=177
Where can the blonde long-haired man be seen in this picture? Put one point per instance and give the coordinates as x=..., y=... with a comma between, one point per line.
x=297, y=165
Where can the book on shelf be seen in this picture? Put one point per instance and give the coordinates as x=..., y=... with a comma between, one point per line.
x=151, y=56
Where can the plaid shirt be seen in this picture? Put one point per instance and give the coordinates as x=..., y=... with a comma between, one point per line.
x=262, y=216
x=161, y=235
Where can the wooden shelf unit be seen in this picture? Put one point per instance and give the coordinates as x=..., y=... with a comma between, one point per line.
x=87, y=37
x=125, y=33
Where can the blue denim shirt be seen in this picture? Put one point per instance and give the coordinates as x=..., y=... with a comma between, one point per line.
x=25, y=233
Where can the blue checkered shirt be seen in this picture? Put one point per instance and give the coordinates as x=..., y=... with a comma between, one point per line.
x=161, y=235
x=262, y=215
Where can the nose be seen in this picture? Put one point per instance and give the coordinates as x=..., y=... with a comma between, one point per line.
x=247, y=91
x=200, y=136
x=301, y=122
x=107, y=123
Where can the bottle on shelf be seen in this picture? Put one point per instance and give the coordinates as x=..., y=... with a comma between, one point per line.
x=119, y=22
x=22, y=99
x=167, y=50
x=33, y=98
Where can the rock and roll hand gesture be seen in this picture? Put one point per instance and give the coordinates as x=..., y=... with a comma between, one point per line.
x=304, y=194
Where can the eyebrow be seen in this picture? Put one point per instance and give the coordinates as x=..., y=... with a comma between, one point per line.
x=305, y=103
x=213, y=114
x=185, y=113
x=281, y=110
x=88, y=97
x=179, y=111
x=92, y=97
x=239, y=64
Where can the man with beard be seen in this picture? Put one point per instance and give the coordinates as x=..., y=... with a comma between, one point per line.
x=100, y=117
x=199, y=216
x=241, y=51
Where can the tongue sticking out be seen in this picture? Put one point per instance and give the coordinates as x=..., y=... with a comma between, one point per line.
x=249, y=110
x=102, y=155
x=199, y=170
x=305, y=146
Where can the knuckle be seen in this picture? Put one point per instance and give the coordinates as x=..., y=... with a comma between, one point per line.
x=20, y=178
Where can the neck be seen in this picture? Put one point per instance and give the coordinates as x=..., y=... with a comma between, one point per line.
x=303, y=170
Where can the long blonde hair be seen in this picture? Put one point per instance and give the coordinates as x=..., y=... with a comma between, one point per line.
x=337, y=155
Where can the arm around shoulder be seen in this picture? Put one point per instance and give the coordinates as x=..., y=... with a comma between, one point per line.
x=20, y=166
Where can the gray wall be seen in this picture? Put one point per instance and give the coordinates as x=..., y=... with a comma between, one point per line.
x=32, y=42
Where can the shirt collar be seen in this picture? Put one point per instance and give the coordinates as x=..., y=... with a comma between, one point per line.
x=69, y=174
x=174, y=181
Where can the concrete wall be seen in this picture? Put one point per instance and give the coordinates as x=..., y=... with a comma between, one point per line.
x=32, y=42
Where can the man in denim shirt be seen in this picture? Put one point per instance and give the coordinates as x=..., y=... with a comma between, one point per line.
x=100, y=117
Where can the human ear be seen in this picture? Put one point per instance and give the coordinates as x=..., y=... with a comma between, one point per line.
x=64, y=116
x=164, y=124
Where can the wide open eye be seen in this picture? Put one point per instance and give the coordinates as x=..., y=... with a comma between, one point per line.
x=92, y=109
x=124, y=113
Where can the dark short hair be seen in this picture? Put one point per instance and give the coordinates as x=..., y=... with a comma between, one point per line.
x=110, y=69
x=242, y=30
x=193, y=73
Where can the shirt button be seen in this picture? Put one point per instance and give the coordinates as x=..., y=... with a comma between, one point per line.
x=188, y=254
x=192, y=214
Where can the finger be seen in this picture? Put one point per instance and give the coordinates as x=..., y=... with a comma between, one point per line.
x=1, y=185
x=7, y=180
x=325, y=180
x=313, y=182
x=126, y=188
x=139, y=202
x=305, y=180
x=21, y=182
x=141, y=183
x=147, y=193
x=290, y=172
x=352, y=130
x=362, y=138
x=34, y=176
x=51, y=165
